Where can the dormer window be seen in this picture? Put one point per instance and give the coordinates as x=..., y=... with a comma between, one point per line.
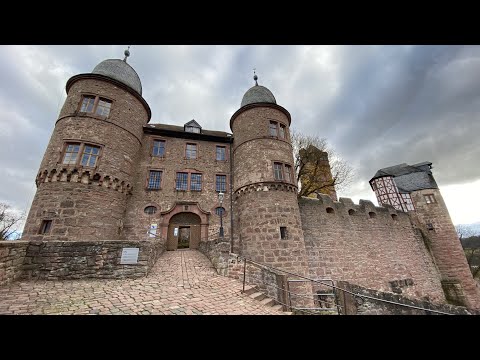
x=193, y=127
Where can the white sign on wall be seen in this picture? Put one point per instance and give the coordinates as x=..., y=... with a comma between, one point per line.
x=153, y=230
x=175, y=232
x=129, y=256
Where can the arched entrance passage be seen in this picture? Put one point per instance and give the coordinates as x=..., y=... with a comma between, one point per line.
x=184, y=214
x=184, y=231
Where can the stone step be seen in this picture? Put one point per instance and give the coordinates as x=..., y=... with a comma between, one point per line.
x=250, y=289
x=258, y=296
x=277, y=307
x=267, y=301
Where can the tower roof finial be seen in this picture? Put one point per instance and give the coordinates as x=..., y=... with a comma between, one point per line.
x=127, y=53
x=255, y=77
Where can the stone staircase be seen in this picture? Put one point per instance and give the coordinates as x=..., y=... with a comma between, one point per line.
x=253, y=292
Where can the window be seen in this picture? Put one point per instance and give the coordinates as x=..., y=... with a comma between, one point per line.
x=429, y=226
x=71, y=154
x=220, y=211
x=96, y=104
x=87, y=104
x=90, y=154
x=182, y=181
x=150, y=210
x=221, y=183
x=372, y=215
x=103, y=107
x=159, y=148
x=283, y=233
x=429, y=198
x=273, y=128
x=154, y=179
x=278, y=171
x=282, y=131
x=192, y=129
x=46, y=226
x=221, y=151
x=330, y=210
x=191, y=151
x=288, y=173
x=196, y=182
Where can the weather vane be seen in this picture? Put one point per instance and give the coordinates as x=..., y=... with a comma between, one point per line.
x=255, y=77
x=127, y=53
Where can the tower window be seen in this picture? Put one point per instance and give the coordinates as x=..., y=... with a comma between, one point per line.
x=46, y=226
x=221, y=153
x=221, y=183
x=278, y=171
x=430, y=226
x=330, y=210
x=273, y=128
x=191, y=151
x=283, y=233
x=95, y=104
x=71, y=154
x=372, y=215
x=282, y=131
x=154, y=180
x=90, y=154
x=288, y=173
x=159, y=148
x=429, y=198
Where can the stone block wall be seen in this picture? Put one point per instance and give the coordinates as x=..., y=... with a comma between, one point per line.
x=57, y=260
x=353, y=305
x=374, y=247
x=12, y=254
x=218, y=252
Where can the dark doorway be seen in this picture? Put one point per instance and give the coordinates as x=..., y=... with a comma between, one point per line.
x=183, y=231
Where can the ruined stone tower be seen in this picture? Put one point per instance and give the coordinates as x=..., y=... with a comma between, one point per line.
x=267, y=227
x=86, y=172
x=413, y=189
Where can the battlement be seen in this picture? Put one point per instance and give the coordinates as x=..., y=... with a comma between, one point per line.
x=346, y=207
x=265, y=186
x=84, y=176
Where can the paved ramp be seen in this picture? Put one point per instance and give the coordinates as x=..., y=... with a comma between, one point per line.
x=182, y=282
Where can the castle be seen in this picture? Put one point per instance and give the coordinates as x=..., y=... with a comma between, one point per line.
x=109, y=175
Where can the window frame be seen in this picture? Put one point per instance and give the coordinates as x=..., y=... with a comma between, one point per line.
x=196, y=151
x=147, y=183
x=224, y=147
x=226, y=182
x=189, y=173
x=279, y=124
x=190, y=181
x=153, y=147
x=429, y=199
x=42, y=230
x=97, y=98
x=82, y=144
x=284, y=233
x=283, y=172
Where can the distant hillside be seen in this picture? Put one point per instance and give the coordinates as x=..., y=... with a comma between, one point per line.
x=468, y=229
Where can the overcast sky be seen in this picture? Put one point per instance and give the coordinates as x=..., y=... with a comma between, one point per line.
x=377, y=106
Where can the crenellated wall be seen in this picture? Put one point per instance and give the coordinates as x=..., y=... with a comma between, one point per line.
x=370, y=246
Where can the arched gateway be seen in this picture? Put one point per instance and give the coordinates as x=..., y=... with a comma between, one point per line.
x=184, y=226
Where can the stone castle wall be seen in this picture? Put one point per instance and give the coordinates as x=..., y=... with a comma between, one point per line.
x=381, y=252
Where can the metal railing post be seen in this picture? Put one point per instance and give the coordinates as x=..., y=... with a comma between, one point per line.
x=244, y=273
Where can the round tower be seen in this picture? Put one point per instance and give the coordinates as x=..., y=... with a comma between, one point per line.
x=88, y=166
x=268, y=226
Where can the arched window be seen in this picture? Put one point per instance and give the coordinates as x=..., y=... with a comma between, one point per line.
x=330, y=210
x=372, y=215
x=150, y=210
x=351, y=212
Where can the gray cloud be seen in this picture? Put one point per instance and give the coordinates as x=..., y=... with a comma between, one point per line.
x=377, y=105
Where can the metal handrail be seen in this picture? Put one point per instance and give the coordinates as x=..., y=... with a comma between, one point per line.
x=333, y=286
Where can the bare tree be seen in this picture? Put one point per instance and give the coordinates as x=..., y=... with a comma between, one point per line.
x=9, y=222
x=312, y=174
